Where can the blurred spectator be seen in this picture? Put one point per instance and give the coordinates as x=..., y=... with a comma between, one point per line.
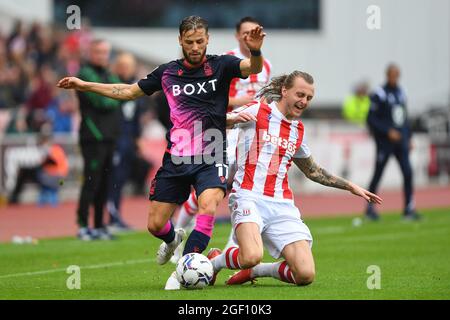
x=354, y=109
x=99, y=130
x=356, y=106
x=43, y=92
x=127, y=160
x=48, y=174
x=12, y=86
x=388, y=123
x=17, y=43
x=60, y=112
x=78, y=42
x=30, y=59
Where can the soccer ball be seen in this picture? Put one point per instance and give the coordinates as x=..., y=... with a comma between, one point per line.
x=194, y=271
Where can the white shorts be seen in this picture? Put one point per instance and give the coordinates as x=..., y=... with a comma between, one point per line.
x=232, y=139
x=279, y=223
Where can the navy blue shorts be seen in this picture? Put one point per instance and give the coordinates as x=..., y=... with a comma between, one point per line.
x=172, y=183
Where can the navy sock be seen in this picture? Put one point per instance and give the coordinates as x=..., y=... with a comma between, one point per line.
x=197, y=242
x=169, y=236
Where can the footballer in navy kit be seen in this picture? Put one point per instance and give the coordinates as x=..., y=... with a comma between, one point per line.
x=197, y=89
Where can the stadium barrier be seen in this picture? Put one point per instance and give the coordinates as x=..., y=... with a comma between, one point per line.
x=342, y=149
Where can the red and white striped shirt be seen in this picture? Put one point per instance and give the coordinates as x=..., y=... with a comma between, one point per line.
x=265, y=151
x=250, y=86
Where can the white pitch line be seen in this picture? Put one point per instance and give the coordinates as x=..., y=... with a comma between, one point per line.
x=329, y=230
x=95, y=266
x=323, y=230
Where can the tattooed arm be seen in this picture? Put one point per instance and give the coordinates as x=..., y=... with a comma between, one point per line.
x=317, y=174
x=113, y=90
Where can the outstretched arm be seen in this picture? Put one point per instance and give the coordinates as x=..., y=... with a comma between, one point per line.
x=254, y=41
x=317, y=174
x=110, y=90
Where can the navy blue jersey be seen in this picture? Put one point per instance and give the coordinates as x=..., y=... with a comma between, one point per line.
x=197, y=97
x=388, y=110
x=131, y=112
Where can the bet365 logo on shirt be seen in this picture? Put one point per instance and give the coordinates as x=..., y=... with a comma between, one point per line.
x=279, y=141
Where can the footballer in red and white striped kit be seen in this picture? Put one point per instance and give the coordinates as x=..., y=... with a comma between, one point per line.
x=242, y=91
x=261, y=202
x=265, y=153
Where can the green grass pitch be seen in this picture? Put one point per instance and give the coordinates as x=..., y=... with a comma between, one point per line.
x=413, y=257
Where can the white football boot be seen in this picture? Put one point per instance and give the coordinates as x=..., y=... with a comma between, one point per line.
x=178, y=253
x=166, y=250
x=172, y=283
x=179, y=250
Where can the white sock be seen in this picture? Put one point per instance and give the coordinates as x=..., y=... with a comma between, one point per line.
x=278, y=270
x=187, y=212
x=221, y=260
x=266, y=270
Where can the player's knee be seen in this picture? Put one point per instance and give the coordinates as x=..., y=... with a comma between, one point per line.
x=208, y=208
x=155, y=226
x=304, y=277
x=250, y=259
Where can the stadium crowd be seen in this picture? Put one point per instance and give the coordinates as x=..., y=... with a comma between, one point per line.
x=32, y=58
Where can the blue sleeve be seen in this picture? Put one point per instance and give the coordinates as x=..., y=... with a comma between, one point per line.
x=375, y=117
x=232, y=67
x=140, y=107
x=407, y=124
x=152, y=83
